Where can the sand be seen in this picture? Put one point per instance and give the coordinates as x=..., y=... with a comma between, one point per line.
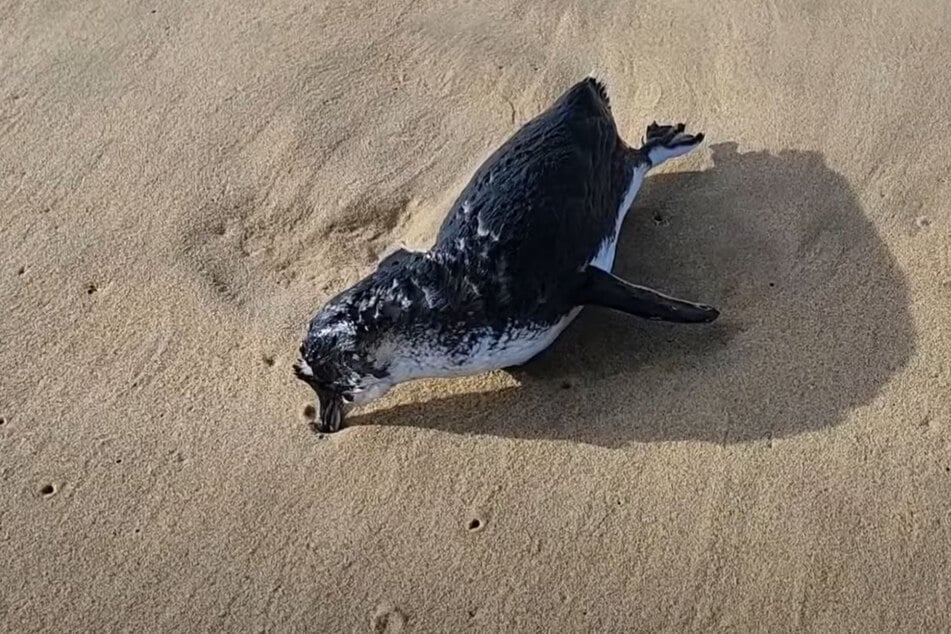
x=182, y=184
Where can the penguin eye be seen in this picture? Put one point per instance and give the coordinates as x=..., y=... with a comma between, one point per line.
x=347, y=397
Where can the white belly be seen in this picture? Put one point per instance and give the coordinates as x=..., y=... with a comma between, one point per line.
x=604, y=260
x=487, y=352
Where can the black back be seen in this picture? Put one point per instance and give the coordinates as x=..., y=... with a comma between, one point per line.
x=534, y=213
x=543, y=203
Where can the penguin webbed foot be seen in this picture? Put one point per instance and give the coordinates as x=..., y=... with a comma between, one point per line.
x=600, y=288
x=663, y=142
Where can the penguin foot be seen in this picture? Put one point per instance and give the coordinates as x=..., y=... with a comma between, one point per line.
x=663, y=142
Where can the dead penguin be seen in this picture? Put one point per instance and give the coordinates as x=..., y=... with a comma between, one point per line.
x=527, y=244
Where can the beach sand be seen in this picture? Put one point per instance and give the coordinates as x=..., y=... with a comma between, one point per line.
x=182, y=184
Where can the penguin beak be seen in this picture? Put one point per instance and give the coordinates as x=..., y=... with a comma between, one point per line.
x=331, y=411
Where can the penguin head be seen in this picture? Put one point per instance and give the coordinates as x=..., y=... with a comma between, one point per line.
x=340, y=361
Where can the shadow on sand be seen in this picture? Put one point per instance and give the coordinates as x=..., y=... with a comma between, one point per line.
x=814, y=319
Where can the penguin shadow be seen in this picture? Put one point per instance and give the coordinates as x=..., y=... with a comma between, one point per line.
x=814, y=319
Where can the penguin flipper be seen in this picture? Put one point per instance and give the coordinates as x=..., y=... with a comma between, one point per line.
x=597, y=287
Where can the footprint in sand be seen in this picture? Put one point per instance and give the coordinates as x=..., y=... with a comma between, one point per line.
x=387, y=620
x=246, y=247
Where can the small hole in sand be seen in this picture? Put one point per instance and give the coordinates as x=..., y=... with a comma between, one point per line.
x=91, y=288
x=268, y=360
x=21, y=270
x=309, y=412
x=475, y=524
x=3, y=421
x=566, y=385
x=388, y=619
x=659, y=219
x=47, y=489
x=923, y=222
x=772, y=284
x=118, y=460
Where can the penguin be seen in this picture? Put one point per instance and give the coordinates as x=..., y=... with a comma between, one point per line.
x=528, y=243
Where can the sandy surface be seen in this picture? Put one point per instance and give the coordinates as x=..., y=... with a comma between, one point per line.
x=182, y=184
